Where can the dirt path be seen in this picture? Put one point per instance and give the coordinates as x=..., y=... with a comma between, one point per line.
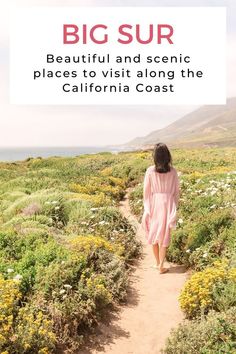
x=144, y=322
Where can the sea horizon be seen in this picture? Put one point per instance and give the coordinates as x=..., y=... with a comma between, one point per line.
x=13, y=154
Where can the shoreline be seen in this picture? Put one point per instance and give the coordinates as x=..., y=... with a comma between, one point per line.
x=18, y=154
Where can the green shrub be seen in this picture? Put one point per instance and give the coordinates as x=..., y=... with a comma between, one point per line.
x=224, y=295
x=104, y=258
x=197, y=295
x=34, y=332
x=213, y=334
x=66, y=269
x=108, y=222
x=202, y=234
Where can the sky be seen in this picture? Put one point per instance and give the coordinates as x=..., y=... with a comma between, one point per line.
x=92, y=125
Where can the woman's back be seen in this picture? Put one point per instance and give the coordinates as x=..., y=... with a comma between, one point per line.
x=160, y=200
x=163, y=182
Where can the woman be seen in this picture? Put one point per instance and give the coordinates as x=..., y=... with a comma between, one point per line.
x=160, y=198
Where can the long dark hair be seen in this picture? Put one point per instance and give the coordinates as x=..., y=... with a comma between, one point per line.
x=162, y=158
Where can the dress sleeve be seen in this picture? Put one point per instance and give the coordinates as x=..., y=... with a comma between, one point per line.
x=146, y=203
x=177, y=189
x=147, y=193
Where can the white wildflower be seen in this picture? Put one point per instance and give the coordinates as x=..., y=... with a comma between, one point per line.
x=10, y=270
x=67, y=286
x=213, y=206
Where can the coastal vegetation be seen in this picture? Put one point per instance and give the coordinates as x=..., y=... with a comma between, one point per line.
x=205, y=242
x=66, y=250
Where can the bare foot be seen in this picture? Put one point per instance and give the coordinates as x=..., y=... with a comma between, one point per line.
x=164, y=270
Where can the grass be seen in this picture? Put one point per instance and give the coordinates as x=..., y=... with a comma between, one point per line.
x=65, y=249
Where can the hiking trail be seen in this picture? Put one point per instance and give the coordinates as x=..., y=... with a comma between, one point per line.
x=142, y=324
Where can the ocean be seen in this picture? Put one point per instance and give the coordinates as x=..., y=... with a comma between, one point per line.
x=19, y=153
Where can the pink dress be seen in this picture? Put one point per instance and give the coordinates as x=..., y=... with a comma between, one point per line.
x=160, y=199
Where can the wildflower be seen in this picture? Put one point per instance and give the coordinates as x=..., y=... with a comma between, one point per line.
x=180, y=221
x=10, y=270
x=67, y=286
x=62, y=291
x=213, y=206
x=188, y=251
x=205, y=254
x=17, y=277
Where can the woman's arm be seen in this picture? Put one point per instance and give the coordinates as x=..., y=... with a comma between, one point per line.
x=147, y=193
x=177, y=189
x=146, y=203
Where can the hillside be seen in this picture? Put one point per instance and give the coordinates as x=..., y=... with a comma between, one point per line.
x=206, y=126
x=75, y=277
